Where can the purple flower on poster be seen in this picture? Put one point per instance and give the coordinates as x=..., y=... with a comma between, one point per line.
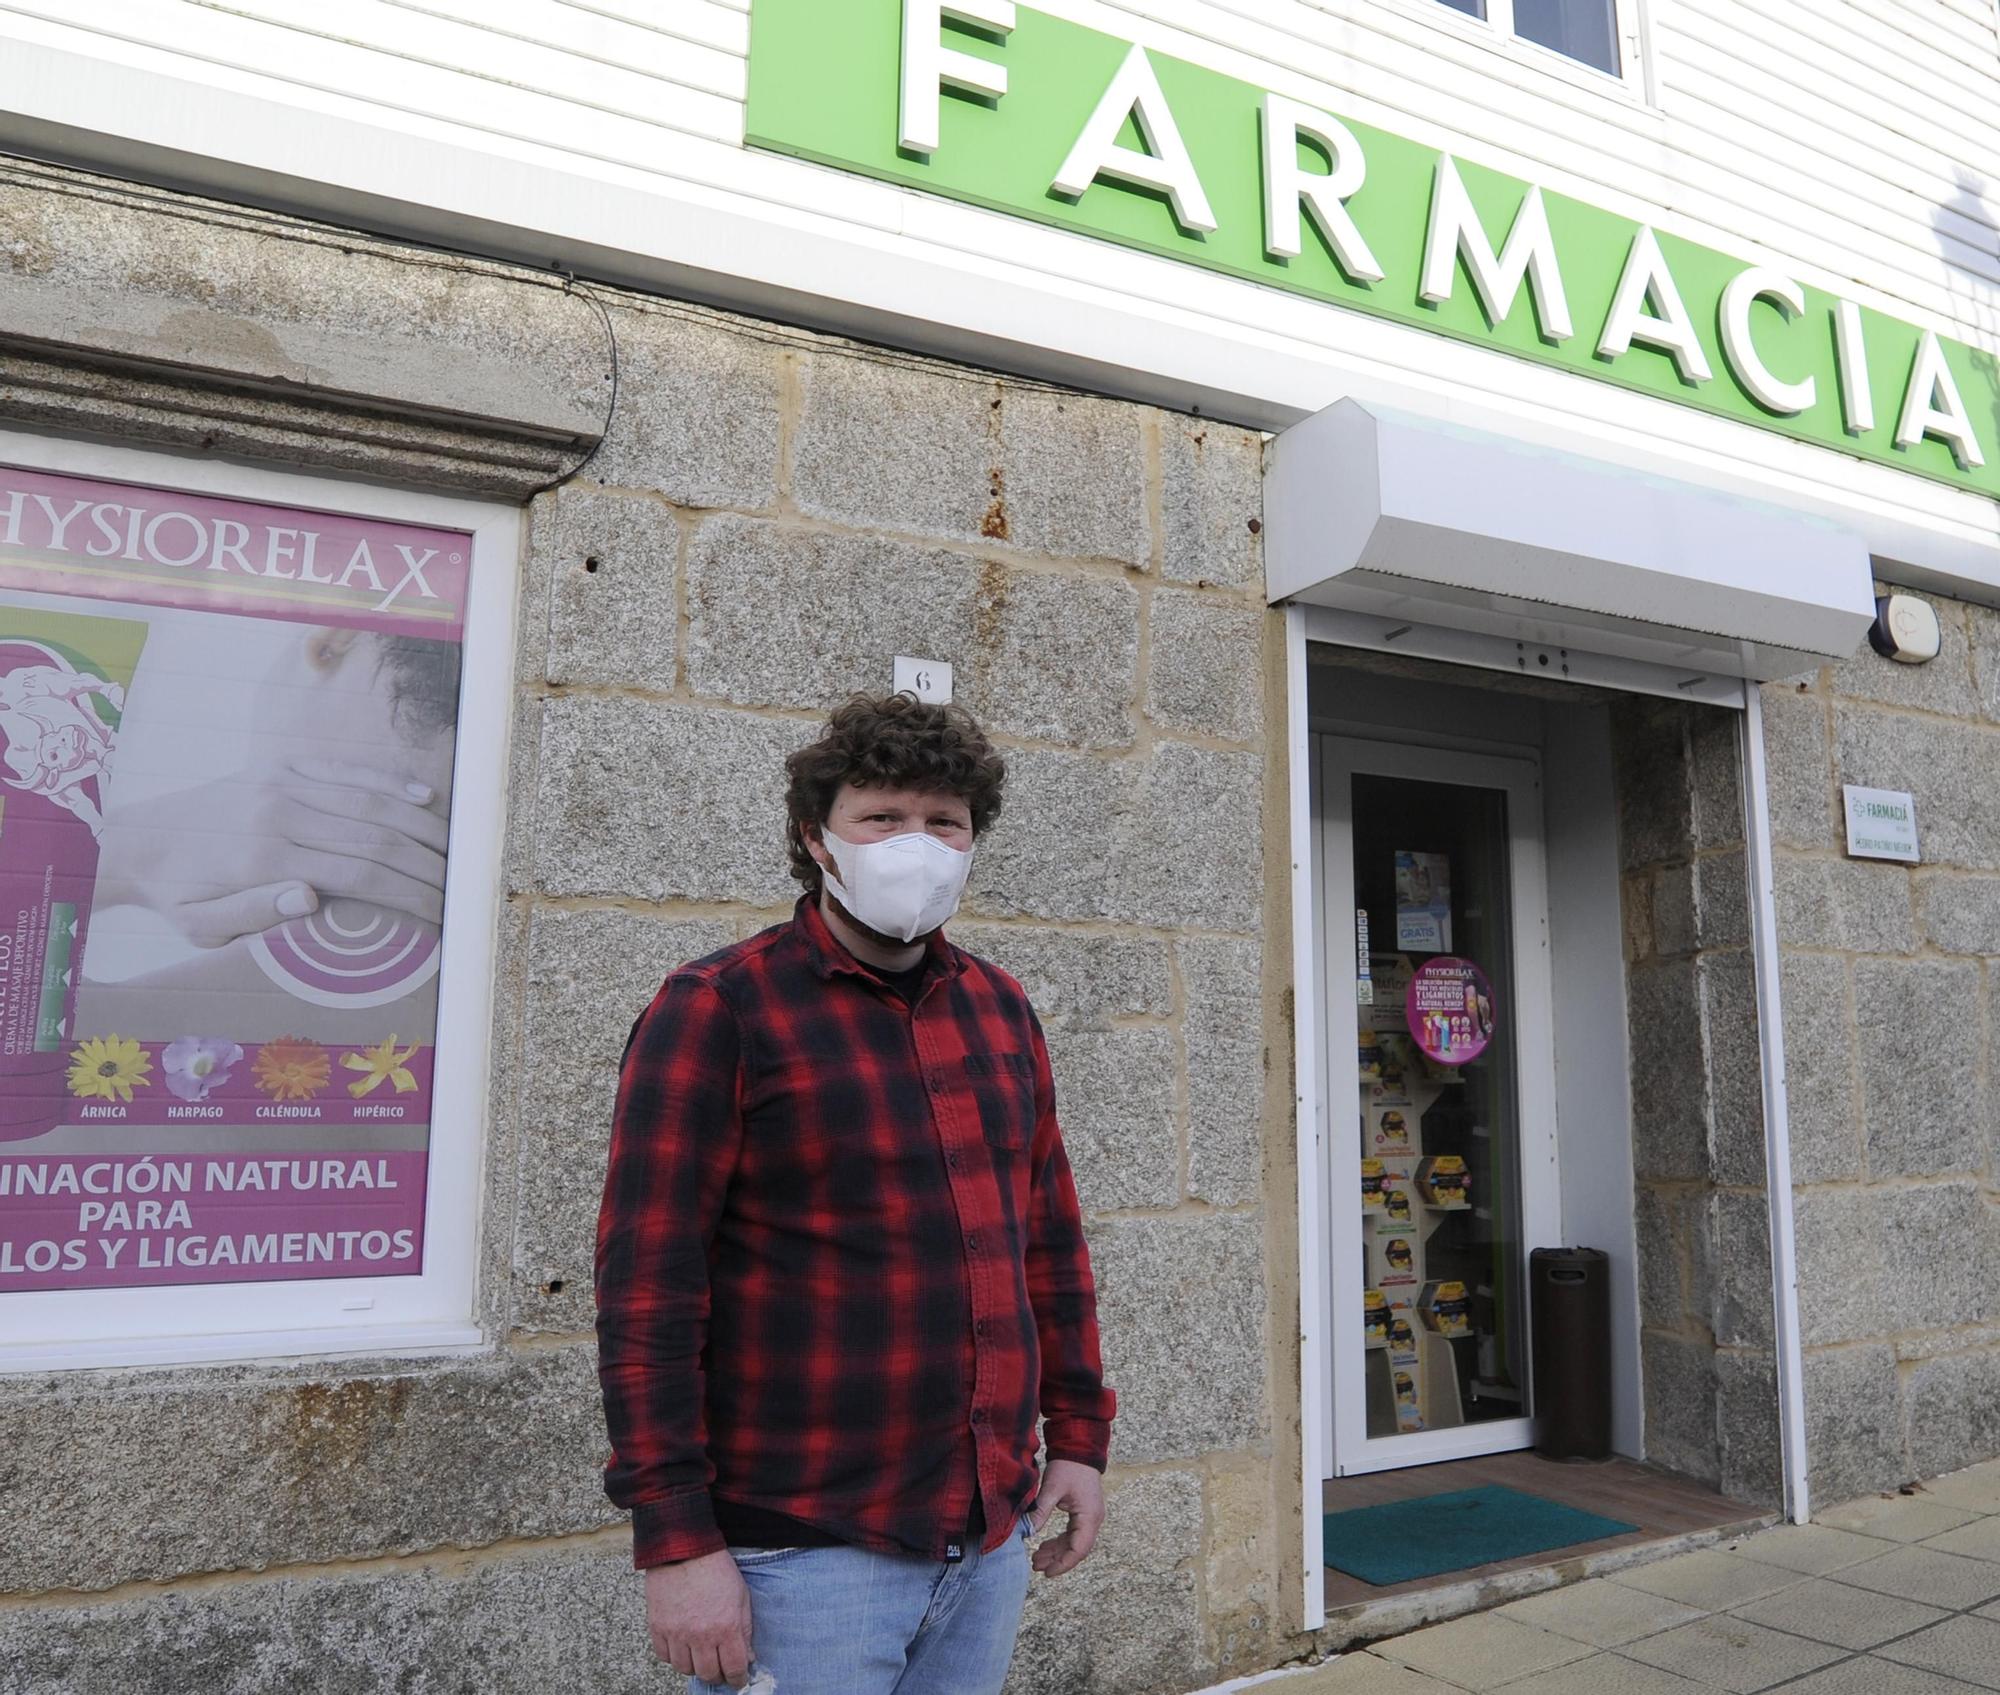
x=194, y=1065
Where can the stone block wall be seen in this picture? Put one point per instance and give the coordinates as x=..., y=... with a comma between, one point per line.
x=1701, y=1205
x=1889, y=978
x=771, y=518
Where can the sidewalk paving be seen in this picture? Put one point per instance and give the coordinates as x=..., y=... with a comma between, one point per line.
x=1891, y=1595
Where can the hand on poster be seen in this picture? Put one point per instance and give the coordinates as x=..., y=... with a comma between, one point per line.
x=236, y=856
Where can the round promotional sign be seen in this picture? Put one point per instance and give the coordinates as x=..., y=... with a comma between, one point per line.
x=1449, y=1005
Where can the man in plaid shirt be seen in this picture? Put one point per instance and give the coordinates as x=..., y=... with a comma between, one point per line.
x=841, y=1272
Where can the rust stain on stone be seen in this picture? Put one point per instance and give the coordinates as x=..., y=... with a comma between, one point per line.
x=338, y=1424
x=994, y=525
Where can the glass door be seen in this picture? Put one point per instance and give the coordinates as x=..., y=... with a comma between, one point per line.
x=1441, y=1138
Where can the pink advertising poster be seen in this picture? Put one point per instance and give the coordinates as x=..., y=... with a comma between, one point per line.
x=1449, y=1004
x=226, y=744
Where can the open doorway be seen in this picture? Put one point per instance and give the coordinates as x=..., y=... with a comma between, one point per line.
x=1504, y=1065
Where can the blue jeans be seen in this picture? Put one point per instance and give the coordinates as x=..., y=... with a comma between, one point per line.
x=847, y=1621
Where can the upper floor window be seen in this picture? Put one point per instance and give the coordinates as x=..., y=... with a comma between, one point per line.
x=1584, y=30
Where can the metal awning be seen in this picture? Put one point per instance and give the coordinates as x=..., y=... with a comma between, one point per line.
x=1388, y=513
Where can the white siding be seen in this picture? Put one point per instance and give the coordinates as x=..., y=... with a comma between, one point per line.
x=1856, y=141
x=1858, y=137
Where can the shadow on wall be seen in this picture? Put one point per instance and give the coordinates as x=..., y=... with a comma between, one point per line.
x=1701, y=1213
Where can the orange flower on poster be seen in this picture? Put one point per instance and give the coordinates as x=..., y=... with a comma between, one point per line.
x=291, y=1068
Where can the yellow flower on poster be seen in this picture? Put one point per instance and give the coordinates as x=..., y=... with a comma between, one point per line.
x=383, y=1063
x=108, y=1068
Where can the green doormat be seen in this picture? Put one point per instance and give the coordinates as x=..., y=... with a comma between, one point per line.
x=1401, y=1540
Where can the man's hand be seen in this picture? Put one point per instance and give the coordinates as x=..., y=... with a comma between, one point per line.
x=698, y=1613
x=1077, y=1490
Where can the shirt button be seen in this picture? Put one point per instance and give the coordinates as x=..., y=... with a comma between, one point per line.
x=979, y=1327
x=951, y=1160
x=979, y=1415
x=972, y=1241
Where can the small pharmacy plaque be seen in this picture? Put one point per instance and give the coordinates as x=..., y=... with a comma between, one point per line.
x=1881, y=824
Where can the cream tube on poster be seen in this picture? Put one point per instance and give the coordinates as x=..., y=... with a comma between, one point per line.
x=63, y=683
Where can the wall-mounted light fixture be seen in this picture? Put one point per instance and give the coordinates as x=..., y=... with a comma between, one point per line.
x=1905, y=629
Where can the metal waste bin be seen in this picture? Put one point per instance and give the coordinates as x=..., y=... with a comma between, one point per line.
x=1569, y=1303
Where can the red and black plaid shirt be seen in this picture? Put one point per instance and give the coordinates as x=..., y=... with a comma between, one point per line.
x=840, y=1265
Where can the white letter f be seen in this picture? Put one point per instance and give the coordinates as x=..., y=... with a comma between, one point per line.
x=929, y=65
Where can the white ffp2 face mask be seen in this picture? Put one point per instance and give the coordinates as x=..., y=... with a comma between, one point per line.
x=904, y=886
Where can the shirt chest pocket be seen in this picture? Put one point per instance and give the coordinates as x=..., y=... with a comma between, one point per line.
x=1003, y=1085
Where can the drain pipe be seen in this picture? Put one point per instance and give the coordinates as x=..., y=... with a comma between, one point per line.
x=1777, y=1112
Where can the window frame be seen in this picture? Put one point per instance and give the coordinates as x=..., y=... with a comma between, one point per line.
x=1633, y=78
x=436, y=1310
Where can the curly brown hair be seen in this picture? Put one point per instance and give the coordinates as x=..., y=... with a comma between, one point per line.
x=890, y=741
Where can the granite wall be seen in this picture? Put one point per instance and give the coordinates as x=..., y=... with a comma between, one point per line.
x=1701, y=1206
x=769, y=518
x=1889, y=980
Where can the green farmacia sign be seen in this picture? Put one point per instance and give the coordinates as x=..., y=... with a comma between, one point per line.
x=1012, y=109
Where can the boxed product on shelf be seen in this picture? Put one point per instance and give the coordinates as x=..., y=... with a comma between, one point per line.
x=1371, y=1184
x=1368, y=1055
x=1391, y=1132
x=1446, y=1307
x=1409, y=1405
x=1400, y=1060
x=1402, y=1334
x=1391, y=976
x=1444, y=1182
x=1375, y=1319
